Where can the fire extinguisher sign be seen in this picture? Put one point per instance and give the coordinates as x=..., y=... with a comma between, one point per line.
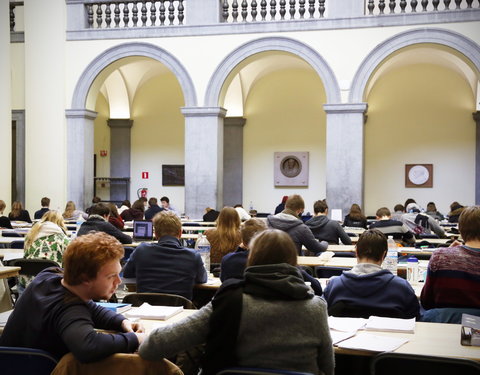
x=145, y=175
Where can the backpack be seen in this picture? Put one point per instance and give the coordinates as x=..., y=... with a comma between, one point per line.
x=421, y=222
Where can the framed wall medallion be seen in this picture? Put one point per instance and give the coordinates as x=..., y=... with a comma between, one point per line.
x=418, y=175
x=291, y=169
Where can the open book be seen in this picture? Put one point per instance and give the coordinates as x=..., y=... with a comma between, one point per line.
x=147, y=311
x=115, y=307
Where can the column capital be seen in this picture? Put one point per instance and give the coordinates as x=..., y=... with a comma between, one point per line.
x=204, y=111
x=346, y=108
x=81, y=113
x=120, y=123
x=235, y=121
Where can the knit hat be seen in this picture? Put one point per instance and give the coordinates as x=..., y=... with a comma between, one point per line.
x=413, y=207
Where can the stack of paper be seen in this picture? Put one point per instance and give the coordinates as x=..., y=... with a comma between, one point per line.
x=344, y=328
x=115, y=307
x=378, y=323
x=366, y=341
x=147, y=311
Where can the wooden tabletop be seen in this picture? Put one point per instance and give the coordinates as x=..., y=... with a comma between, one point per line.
x=6, y=271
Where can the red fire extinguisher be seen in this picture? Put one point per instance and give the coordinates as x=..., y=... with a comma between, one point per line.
x=142, y=192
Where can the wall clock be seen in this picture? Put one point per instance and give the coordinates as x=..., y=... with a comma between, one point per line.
x=418, y=175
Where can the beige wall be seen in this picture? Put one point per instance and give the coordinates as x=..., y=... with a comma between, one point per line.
x=420, y=114
x=284, y=112
x=157, y=137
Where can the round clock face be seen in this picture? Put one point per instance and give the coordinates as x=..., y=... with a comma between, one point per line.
x=418, y=174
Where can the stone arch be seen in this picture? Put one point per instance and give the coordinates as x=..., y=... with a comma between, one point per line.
x=451, y=39
x=293, y=46
x=113, y=54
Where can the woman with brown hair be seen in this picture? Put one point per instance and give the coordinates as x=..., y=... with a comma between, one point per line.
x=136, y=212
x=225, y=238
x=250, y=322
x=18, y=213
x=115, y=219
x=355, y=218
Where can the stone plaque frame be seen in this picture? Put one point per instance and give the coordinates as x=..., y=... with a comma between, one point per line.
x=291, y=169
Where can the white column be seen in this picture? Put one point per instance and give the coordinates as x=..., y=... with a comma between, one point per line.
x=345, y=155
x=5, y=104
x=203, y=159
x=45, y=132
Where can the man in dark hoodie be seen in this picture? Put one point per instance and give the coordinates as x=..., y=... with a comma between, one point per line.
x=367, y=289
x=288, y=221
x=325, y=229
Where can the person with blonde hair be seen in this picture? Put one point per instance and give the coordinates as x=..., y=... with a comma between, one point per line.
x=71, y=212
x=18, y=213
x=249, y=322
x=166, y=266
x=225, y=238
x=47, y=239
x=4, y=221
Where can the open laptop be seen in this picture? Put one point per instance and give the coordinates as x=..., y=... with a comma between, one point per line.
x=142, y=230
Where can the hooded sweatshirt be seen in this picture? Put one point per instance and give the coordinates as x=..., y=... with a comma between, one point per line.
x=327, y=230
x=298, y=231
x=368, y=286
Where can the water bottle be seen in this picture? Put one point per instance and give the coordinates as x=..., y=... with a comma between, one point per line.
x=203, y=247
x=412, y=269
x=391, y=260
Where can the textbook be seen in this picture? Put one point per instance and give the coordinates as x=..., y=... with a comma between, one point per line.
x=470, y=335
x=116, y=307
x=147, y=311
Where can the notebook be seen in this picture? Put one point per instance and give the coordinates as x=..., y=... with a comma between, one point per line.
x=142, y=230
x=147, y=311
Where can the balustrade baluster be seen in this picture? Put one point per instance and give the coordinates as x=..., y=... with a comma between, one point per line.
x=414, y=4
x=180, y=9
x=244, y=10
x=469, y=4
x=447, y=4
x=12, y=17
x=301, y=11
x=381, y=6
x=89, y=17
x=162, y=12
x=311, y=7
x=321, y=8
x=135, y=14
x=403, y=5
x=99, y=16
x=424, y=5
x=273, y=9
x=153, y=14
x=235, y=10
x=108, y=15
x=144, y=17
x=171, y=12
x=126, y=17
x=263, y=9
x=253, y=7
x=283, y=10
x=435, y=4
x=392, y=6
x=457, y=3
x=225, y=11
x=116, y=12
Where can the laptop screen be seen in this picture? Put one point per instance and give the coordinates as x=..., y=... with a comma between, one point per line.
x=142, y=230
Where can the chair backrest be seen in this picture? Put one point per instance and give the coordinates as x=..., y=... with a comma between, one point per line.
x=342, y=309
x=398, y=363
x=159, y=299
x=258, y=371
x=11, y=234
x=327, y=272
x=17, y=244
x=448, y=314
x=20, y=361
x=32, y=266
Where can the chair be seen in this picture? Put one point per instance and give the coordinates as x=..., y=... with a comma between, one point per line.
x=398, y=363
x=17, y=244
x=448, y=315
x=343, y=309
x=258, y=371
x=11, y=234
x=163, y=299
x=20, y=361
x=327, y=272
x=32, y=266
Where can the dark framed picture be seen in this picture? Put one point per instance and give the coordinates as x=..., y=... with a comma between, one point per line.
x=418, y=175
x=173, y=175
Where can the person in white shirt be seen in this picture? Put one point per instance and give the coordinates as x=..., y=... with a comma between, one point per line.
x=242, y=212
